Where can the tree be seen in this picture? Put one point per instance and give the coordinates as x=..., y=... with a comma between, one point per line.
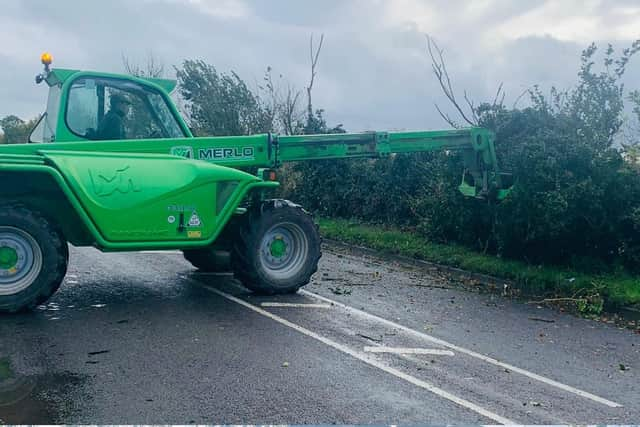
x=152, y=69
x=317, y=185
x=314, y=54
x=282, y=101
x=220, y=104
x=575, y=194
x=16, y=130
x=439, y=68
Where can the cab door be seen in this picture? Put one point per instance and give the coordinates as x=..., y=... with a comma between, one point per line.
x=94, y=104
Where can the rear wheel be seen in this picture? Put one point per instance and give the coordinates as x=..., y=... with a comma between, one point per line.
x=33, y=258
x=277, y=248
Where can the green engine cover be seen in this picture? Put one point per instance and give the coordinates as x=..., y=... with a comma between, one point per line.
x=150, y=197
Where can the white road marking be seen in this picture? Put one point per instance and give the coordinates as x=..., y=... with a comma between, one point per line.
x=406, y=350
x=366, y=359
x=163, y=252
x=294, y=305
x=468, y=352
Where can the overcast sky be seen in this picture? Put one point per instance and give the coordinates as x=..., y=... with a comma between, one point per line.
x=373, y=72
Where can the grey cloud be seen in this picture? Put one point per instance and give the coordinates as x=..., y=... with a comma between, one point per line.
x=373, y=74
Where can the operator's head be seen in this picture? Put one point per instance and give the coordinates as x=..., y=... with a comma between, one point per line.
x=119, y=103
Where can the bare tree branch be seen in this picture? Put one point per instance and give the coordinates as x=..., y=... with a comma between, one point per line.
x=440, y=70
x=289, y=113
x=153, y=68
x=273, y=96
x=524, y=92
x=472, y=107
x=313, y=56
x=447, y=119
x=498, y=95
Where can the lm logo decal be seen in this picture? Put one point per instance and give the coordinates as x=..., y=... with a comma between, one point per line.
x=182, y=151
x=108, y=184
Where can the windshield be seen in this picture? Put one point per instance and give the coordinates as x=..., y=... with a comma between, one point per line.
x=105, y=108
x=162, y=112
x=45, y=130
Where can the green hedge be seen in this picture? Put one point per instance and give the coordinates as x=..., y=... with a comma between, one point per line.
x=576, y=201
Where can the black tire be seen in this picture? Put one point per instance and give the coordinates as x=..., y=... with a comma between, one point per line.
x=253, y=259
x=208, y=259
x=41, y=265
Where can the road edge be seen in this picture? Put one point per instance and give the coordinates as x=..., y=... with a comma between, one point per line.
x=627, y=313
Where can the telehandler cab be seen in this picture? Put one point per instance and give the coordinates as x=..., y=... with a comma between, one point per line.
x=156, y=186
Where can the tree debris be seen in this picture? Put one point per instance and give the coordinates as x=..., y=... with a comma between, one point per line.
x=378, y=340
x=539, y=319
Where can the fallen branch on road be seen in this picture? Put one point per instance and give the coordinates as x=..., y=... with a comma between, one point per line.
x=432, y=286
x=539, y=319
x=548, y=300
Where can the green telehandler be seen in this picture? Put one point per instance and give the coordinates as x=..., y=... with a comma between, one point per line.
x=112, y=164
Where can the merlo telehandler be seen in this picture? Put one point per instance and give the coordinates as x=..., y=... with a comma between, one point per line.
x=112, y=164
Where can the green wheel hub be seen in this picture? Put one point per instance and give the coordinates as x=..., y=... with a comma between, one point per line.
x=8, y=257
x=278, y=247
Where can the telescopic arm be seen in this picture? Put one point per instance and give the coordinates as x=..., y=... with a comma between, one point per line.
x=481, y=177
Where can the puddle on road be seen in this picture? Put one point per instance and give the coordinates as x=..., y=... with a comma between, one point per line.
x=34, y=399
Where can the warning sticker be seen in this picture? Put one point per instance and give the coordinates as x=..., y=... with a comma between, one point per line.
x=194, y=221
x=194, y=234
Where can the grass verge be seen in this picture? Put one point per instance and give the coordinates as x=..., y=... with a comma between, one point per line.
x=589, y=293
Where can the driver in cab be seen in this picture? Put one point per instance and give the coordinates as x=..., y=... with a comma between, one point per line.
x=112, y=124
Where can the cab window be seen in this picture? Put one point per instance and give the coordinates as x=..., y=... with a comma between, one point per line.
x=103, y=109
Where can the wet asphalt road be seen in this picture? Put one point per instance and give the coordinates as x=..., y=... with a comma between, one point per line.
x=145, y=338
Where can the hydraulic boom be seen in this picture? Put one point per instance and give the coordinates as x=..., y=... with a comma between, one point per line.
x=481, y=177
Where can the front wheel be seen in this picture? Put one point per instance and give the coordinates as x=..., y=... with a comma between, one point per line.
x=33, y=258
x=277, y=248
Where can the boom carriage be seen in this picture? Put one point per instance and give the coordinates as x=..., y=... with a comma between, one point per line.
x=158, y=187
